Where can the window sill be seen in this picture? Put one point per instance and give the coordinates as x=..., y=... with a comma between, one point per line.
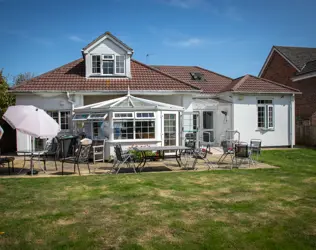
x=265, y=129
x=135, y=140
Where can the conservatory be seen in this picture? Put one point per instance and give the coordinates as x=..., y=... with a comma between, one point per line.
x=129, y=121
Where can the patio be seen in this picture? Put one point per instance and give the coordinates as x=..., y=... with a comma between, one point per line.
x=105, y=168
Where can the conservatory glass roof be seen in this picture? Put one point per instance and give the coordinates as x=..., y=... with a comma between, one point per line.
x=128, y=102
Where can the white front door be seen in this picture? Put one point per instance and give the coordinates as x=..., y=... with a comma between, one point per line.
x=170, y=128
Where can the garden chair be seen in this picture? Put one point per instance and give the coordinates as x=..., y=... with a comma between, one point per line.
x=201, y=154
x=52, y=148
x=228, y=150
x=255, y=148
x=98, y=151
x=242, y=153
x=81, y=156
x=122, y=158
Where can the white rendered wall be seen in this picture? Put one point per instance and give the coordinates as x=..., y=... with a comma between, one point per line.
x=245, y=119
x=51, y=102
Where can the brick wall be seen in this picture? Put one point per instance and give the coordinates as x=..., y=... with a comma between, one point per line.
x=279, y=70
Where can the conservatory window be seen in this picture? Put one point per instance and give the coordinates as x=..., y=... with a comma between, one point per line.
x=123, y=130
x=145, y=115
x=265, y=111
x=80, y=117
x=98, y=116
x=120, y=115
x=145, y=129
x=126, y=126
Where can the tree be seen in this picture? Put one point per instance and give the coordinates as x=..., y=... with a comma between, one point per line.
x=6, y=98
x=22, y=77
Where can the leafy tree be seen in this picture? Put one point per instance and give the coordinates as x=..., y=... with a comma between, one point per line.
x=22, y=77
x=6, y=98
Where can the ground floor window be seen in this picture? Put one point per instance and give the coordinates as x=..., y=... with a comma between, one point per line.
x=130, y=125
x=265, y=112
x=62, y=118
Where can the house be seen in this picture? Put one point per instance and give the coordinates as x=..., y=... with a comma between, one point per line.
x=295, y=67
x=111, y=96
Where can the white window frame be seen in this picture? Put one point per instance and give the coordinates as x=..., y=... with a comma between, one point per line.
x=134, y=119
x=124, y=67
x=107, y=60
x=105, y=115
x=113, y=58
x=123, y=118
x=145, y=118
x=59, y=118
x=266, y=107
x=96, y=67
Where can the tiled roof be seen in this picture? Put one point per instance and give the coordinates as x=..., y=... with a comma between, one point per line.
x=71, y=77
x=252, y=84
x=308, y=68
x=299, y=56
x=110, y=35
x=211, y=84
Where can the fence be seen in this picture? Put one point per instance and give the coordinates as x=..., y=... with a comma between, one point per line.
x=305, y=135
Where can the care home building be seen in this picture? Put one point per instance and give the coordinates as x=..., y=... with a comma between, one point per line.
x=115, y=98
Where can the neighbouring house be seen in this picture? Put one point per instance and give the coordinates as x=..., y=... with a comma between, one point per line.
x=295, y=67
x=112, y=97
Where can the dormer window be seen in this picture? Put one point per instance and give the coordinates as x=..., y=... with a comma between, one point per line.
x=104, y=64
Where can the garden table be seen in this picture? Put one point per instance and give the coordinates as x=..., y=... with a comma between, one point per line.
x=161, y=154
x=32, y=154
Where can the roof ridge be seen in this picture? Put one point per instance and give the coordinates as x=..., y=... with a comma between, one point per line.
x=276, y=83
x=44, y=74
x=240, y=82
x=301, y=47
x=163, y=73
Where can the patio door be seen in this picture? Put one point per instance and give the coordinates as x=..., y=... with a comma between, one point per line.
x=170, y=129
x=207, y=131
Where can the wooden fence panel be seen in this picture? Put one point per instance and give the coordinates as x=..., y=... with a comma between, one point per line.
x=305, y=135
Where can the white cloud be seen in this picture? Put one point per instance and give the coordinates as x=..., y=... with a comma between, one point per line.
x=190, y=42
x=76, y=39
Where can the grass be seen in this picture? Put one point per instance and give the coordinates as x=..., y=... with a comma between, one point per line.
x=243, y=209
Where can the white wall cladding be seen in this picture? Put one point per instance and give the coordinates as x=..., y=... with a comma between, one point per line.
x=245, y=119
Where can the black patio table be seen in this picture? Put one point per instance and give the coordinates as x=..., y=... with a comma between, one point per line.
x=161, y=154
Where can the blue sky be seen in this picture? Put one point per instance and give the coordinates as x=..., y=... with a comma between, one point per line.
x=231, y=37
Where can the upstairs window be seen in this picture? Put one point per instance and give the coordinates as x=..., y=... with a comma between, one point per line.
x=265, y=111
x=120, y=65
x=96, y=64
x=108, y=64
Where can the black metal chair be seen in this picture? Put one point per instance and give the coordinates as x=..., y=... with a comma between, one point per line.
x=81, y=156
x=201, y=154
x=122, y=158
x=228, y=150
x=242, y=152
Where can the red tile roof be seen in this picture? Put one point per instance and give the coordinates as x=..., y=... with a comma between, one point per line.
x=212, y=83
x=71, y=77
x=252, y=84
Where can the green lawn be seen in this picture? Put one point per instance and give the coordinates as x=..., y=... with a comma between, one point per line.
x=241, y=209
